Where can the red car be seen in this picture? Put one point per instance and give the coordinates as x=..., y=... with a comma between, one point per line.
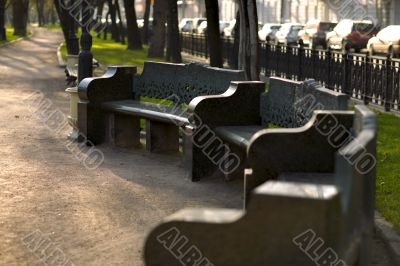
x=354, y=34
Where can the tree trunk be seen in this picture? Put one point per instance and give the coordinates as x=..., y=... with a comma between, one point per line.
x=157, y=43
x=236, y=43
x=113, y=15
x=63, y=17
x=20, y=16
x=145, y=30
x=120, y=23
x=213, y=34
x=3, y=36
x=174, y=42
x=248, y=47
x=134, y=40
x=100, y=7
x=40, y=12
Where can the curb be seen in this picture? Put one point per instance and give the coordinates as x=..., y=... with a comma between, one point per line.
x=390, y=237
x=61, y=61
x=16, y=40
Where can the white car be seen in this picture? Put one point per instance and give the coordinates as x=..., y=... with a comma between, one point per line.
x=386, y=41
x=267, y=29
x=228, y=31
x=186, y=25
x=288, y=33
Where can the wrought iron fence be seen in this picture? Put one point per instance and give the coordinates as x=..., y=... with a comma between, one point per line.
x=197, y=45
x=372, y=79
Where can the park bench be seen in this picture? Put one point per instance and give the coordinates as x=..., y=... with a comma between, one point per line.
x=301, y=217
x=111, y=106
x=287, y=104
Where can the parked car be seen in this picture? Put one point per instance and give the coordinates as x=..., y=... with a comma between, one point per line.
x=223, y=25
x=229, y=31
x=314, y=33
x=267, y=29
x=387, y=41
x=196, y=23
x=186, y=25
x=202, y=29
x=288, y=34
x=354, y=34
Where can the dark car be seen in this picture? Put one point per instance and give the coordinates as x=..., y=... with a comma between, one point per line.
x=352, y=34
x=319, y=38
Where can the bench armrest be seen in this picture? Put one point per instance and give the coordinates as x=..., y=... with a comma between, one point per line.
x=310, y=148
x=239, y=105
x=115, y=84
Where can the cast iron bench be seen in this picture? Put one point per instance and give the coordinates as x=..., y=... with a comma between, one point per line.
x=304, y=216
x=287, y=104
x=111, y=106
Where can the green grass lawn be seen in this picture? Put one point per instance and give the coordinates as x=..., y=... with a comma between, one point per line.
x=388, y=168
x=10, y=36
x=50, y=26
x=388, y=151
x=108, y=52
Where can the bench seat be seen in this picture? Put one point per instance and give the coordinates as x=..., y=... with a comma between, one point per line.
x=238, y=135
x=152, y=111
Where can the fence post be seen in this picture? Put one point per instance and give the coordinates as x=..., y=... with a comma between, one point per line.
x=329, y=68
x=347, y=71
x=192, y=46
x=367, y=80
x=388, y=85
x=85, y=63
x=301, y=52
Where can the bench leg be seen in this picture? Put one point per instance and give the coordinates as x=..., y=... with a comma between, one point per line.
x=161, y=137
x=196, y=162
x=123, y=130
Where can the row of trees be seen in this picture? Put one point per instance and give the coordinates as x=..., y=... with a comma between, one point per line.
x=19, y=12
x=165, y=40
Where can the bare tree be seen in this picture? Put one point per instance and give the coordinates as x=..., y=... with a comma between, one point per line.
x=213, y=34
x=173, y=40
x=248, y=47
x=134, y=38
x=157, y=42
x=20, y=16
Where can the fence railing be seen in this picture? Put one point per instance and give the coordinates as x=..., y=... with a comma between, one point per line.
x=197, y=45
x=372, y=79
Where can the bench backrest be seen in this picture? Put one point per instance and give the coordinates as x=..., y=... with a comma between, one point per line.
x=355, y=177
x=183, y=82
x=291, y=103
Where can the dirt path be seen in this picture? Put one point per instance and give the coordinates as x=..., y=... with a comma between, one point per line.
x=93, y=217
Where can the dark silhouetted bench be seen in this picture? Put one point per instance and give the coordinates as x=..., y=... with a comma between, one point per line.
x=302, y=217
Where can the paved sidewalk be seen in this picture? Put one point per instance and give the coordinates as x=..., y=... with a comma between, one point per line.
x=93, y=217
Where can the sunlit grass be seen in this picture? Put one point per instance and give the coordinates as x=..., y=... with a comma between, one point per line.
x=56, y=27
x=108, y=52
x=10, y=36
x=388, y=168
